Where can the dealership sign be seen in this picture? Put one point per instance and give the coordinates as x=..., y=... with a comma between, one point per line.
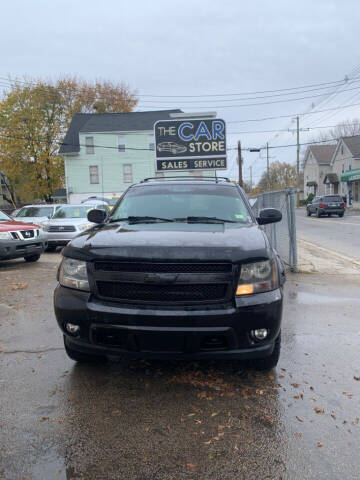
x=190, y=144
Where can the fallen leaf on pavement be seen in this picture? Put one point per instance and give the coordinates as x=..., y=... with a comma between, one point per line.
x=214, y=414
x=117, y=412
x=295, y=385
x=300, y=419
x=42, y=419
x=319, y=444
x=19, y=286
x=319, y=410
x=357, y=378
x=207, y=443
x=191, y=466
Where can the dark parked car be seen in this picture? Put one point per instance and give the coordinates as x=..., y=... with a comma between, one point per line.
x=18, y=239
x=180, y=269
x=326, y=205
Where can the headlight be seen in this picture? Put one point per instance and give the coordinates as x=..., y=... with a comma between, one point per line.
x=73, y=274
x=85, y=227
x=257, y=277
x=5, y=235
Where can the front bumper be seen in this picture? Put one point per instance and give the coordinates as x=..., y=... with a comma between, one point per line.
x=221, y=331
x=10, y=249
x=60, y=238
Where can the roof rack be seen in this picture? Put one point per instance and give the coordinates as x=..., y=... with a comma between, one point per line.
x=187, y=177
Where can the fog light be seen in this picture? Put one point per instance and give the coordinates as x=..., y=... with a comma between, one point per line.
x=260, y=333
x=73, y=329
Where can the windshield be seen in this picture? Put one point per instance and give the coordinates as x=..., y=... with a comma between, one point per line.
x=4, y=217
x=333, y=198
x=35, y=212
x=183, y=201
x=74, y=211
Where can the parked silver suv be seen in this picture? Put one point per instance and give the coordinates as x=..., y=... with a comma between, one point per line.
x=69, y=221
x=37, y=214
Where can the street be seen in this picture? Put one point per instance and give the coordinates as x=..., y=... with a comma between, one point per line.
x=334, y=233
x=158, y=420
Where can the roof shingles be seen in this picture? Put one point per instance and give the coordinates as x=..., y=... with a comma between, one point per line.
x=110, y=122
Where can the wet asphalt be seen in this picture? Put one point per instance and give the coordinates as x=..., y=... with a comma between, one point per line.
x=338, y=234
x=170, y=421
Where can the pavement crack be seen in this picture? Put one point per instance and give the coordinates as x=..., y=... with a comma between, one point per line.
x=51, y=349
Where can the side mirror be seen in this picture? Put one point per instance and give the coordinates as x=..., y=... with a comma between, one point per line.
x=269, y=215
x=96, y=216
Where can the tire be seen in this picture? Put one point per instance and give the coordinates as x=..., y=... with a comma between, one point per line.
x=32, y=258
x=318, y=214
x=341, y=215
x=51, y=248
x=308, y=212
x=267, y=363
x=83, y=357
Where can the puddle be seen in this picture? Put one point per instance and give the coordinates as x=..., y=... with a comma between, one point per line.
x=311, y=298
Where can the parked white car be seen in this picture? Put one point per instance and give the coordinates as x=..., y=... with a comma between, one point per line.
x=37, y=214
x=69, y=221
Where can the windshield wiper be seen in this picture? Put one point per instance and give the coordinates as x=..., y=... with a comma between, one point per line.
x=205, y=220
x=134, y=219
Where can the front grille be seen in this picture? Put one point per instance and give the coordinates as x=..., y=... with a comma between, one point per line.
x=28, y=233
x=162, y=293
x=163, y=267
x=61, y=228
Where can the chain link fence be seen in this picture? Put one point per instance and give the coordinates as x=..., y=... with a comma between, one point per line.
x=282, y=235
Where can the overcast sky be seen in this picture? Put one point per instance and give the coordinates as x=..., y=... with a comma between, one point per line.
x=197, y=47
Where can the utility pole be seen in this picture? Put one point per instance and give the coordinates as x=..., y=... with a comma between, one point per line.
x=240, y=164
x=251, y=184
x=297, y=162
x=267, y=166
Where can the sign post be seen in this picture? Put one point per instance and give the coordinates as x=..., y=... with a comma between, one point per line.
x=198, y=144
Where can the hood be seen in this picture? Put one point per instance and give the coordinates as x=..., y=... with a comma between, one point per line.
x=171, y=242
x=14, y=226
x=68, y=221
x=33, y=220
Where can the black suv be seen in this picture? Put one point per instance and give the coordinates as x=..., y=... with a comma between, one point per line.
x=326, y=205
x=179, y=269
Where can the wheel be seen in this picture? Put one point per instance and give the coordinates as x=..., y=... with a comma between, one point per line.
x=308, y=212
x=341, y=214
x=32, y=258
x=51, y=248
x=83, y=357
x=267, y=363
x=318, y=214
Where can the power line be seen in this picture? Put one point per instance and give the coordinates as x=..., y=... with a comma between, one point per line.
x=253, y=98
x=292, y=114
x=287, y=130
x=255, y=104
x=334, y=82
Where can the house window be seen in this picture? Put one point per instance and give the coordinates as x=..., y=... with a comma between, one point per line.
x=89, y=145
x=196, y=173
x=349, y=165
x=121, y=143
x=151, y=142
x=94, y=174
x=127, y=173
x=343, y=168
x=342, y=149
